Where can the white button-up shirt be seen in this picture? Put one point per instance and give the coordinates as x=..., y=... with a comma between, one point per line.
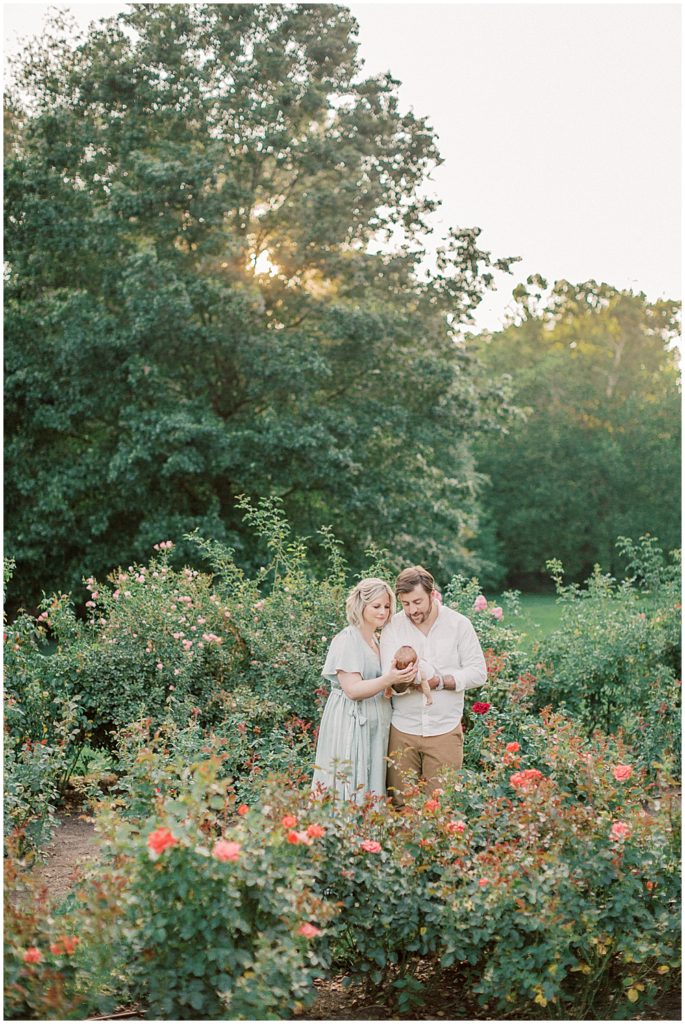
x=452, y=646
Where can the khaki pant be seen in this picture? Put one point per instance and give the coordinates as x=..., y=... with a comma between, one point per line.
x=411, y=758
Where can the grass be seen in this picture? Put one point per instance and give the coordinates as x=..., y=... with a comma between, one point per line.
x=539, y=616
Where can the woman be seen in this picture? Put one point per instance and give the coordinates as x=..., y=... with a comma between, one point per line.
x=353, y=736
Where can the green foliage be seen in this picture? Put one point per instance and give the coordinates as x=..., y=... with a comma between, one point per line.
x=597, y=452
x=614, y=659
x=42, y=720
x=487, y=874
x=155, y=370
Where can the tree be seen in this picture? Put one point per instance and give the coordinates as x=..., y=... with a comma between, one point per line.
x=193, y=307
x=597, y=453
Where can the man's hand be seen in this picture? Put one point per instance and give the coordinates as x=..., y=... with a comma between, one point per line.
x=434, y=682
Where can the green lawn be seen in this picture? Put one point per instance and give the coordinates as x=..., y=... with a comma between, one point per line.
x=540, y=615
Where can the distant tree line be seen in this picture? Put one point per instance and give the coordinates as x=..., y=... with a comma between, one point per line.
x=214, y=234
x=595, y=450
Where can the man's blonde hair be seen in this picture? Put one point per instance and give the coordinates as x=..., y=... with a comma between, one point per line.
x=364, y=593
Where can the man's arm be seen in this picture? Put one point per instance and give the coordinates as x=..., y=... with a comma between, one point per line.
x=473, y=671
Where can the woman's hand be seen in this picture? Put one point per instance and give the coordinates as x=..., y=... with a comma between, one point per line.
x=400, y=676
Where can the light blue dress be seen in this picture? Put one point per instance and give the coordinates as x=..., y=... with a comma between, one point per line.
x=353, y=735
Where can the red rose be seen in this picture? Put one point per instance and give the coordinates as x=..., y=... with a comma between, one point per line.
x=480, y=708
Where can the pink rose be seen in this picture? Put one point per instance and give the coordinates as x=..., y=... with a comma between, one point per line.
x=370, y=846
x=622, y=772
x=497, y=613
x=480, y=604
x=225, y=850
x=619, y=831
x=309, y=931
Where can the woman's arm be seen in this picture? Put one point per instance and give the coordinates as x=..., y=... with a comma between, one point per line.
x=356, y=688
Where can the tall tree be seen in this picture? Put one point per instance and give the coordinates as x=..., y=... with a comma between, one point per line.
x=194, y=306
x=597, y=453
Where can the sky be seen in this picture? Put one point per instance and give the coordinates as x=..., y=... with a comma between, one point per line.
x=559, y=127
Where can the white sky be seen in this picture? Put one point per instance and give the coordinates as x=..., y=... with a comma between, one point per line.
x=559, y=125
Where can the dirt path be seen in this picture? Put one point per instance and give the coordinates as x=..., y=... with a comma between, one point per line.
x=73, y=846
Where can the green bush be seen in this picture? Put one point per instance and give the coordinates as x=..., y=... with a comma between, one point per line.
x=613, y=661
x=548, y=878
x=40, y=726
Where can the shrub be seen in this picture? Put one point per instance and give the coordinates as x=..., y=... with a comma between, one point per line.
x=611, y=663
x=35, y=770
x=215, y=905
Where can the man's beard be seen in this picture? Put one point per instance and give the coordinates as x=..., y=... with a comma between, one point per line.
x=423, y=615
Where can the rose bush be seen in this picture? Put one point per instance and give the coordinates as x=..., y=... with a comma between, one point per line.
x=549, y=885
x=615, y=659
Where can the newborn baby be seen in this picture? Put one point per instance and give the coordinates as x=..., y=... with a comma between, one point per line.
x=405, y=657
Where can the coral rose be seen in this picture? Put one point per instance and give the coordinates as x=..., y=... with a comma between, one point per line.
x=622, y=772
x=431, y=805
x=243, y=809
x=65, y=944
x=527, y=779
x=309, y=931
x=289, y=821
x=513, y=748
x=316, y=831
x=454, y=826
x=226, y=850
x=158, y=840
x=33, y=955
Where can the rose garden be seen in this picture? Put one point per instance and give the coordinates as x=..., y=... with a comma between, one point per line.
x=242, y=373
x=540, y=881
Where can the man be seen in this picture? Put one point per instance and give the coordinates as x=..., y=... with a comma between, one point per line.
x=426, y=738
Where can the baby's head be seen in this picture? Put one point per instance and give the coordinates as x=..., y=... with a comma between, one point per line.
x=405, y=657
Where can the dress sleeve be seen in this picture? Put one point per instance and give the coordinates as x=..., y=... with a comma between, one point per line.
x=343, y=655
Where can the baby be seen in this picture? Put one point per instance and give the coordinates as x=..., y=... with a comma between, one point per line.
x=405, y=657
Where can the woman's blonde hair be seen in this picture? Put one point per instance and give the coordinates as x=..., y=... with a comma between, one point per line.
x=364, y=593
